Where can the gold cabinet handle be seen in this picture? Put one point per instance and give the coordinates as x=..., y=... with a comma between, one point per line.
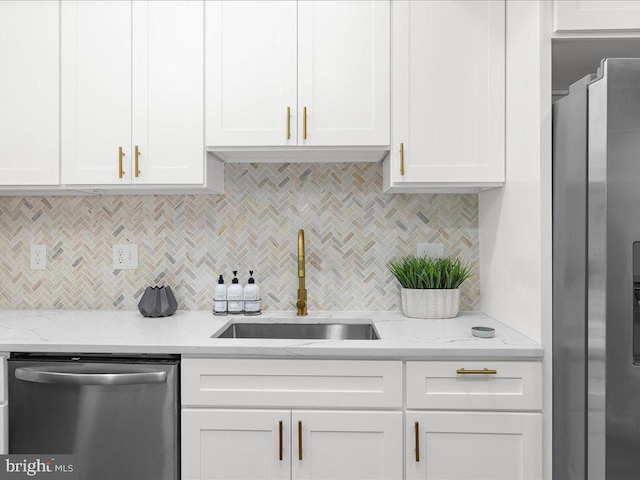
x=484, y=371
x=280, y=437
x=121, y=172
x=304, y=123
x=417, y=429
x=136, y=154
x=402, y=159
x=300, y=441
x=288, y=123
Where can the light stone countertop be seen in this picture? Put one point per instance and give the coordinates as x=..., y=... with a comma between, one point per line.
x=189, y=332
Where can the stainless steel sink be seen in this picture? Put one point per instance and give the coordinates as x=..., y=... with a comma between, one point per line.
x=302, y=331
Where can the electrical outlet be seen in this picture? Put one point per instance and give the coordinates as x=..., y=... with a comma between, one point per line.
x=38, y=257
x=430, y=250
x=125, y=256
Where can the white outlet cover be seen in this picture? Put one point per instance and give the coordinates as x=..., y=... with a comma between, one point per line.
x=38, y=257
x=125, y=256
x=430, y=250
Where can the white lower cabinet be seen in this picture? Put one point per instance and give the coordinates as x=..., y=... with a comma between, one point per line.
x=236, y=444
x=284, y=444
x=474, y=420
x=286, y=419
x=346, y=445
x=345, y=420
x=473, y=445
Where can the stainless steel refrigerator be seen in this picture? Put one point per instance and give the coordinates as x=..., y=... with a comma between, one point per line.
x=596, y=276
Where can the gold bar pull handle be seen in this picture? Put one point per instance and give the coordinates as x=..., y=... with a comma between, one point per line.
x=402, y=159
x=304, y=123
x=300, y=441
x=417, y=429
x=280, y=437
x=484, y=371
x=136, y=155
x=121, y=172
x=288, y=123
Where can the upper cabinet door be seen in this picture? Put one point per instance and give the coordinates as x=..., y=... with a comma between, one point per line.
x=29, y=93
x=593, y=15
x=168, y=92
x=251, y=73
x=96, y=91
x=344, y=72
x=448, y=93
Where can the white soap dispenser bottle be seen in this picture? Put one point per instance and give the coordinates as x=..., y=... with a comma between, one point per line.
x=251, y=296
x=234, y=295
x=220, y=298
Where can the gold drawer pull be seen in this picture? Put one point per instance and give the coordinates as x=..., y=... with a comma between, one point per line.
x=300, y=441
x=121, y=172
x=288, y=123
x=417, y=428
x=304, y=123
x=402, y=159
x=136, y=157
x=280, y=436
x=484, y=371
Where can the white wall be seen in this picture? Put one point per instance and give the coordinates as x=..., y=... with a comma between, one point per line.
x=515, y=221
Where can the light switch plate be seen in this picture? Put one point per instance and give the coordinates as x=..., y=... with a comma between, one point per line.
x=430, y=250
x=38, y=257
x=125, y=256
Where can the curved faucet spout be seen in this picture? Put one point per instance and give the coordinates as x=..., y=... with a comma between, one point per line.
x=301, y=303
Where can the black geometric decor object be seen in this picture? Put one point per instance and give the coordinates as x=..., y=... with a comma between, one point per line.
x=158, y=302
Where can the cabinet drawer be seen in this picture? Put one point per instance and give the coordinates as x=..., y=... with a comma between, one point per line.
x=438, y=385
x=291, y=383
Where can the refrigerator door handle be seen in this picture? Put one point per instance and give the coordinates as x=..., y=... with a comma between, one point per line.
x=70, y=378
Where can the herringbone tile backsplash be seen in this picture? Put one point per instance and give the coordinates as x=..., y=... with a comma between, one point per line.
x=352, y=231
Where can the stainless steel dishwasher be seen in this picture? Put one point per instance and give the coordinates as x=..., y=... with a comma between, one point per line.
x=118, y=415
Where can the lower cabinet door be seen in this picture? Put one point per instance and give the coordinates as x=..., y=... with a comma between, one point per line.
x=236, y=444
x=336, y=445
x=473, y=446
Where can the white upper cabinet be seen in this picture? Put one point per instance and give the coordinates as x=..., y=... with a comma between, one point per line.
x=448, y=98
x=344, y=63
x=593, y=15
x=29, y=93
x=251, y=73
x=306, y=73
x=132, y=92
x=168, y=92
x=96, y=91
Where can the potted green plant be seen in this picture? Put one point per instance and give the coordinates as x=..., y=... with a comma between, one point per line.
x=430, y=285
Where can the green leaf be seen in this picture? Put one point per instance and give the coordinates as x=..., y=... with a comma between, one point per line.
x=430, y=272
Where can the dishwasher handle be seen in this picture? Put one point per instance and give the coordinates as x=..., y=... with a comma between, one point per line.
x=70, y=378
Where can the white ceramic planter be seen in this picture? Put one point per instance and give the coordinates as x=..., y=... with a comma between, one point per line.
x=430, y=303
